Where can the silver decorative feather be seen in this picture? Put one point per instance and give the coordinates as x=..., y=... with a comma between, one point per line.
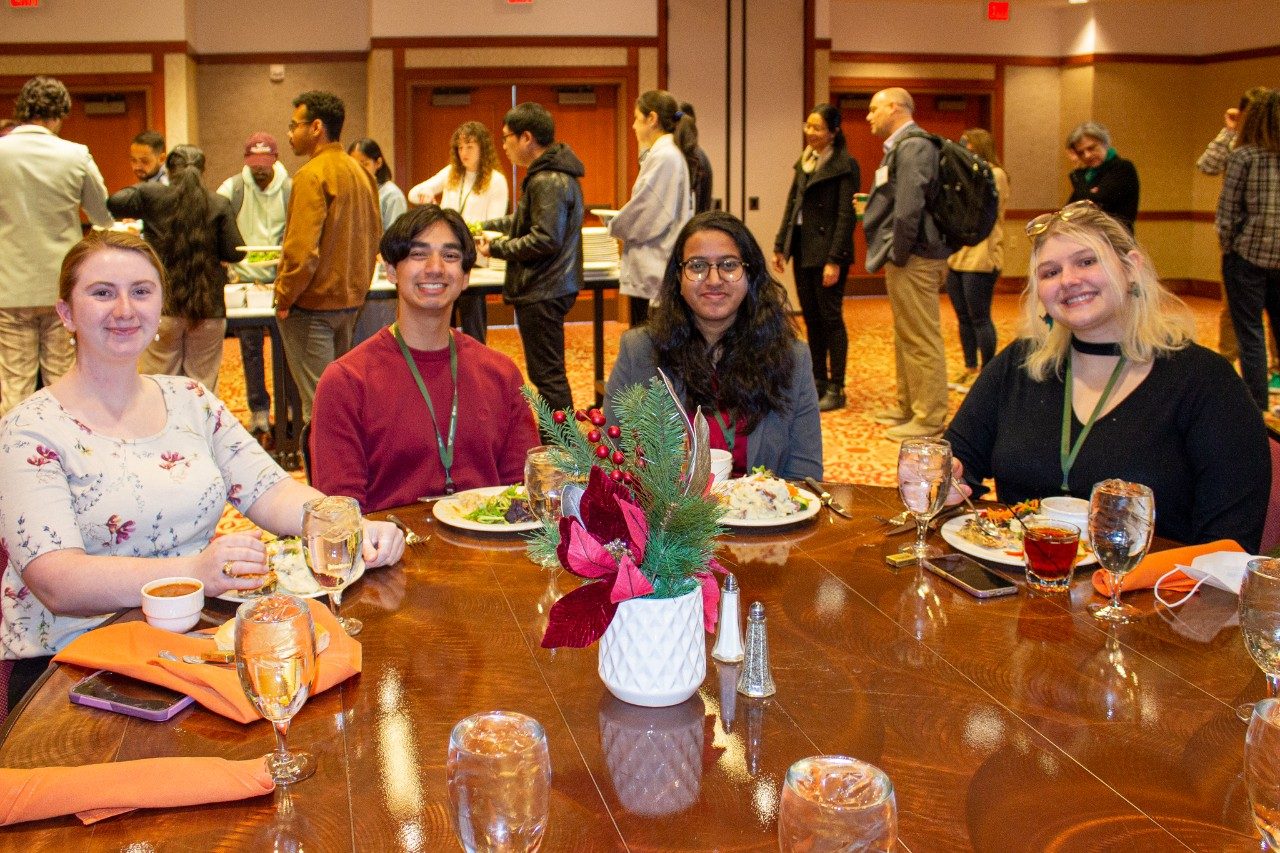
x=698, y=470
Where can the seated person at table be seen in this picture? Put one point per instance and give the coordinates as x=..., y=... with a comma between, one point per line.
x=721, y=332
x=419, y=409
x=113, y=479
x=1106, y=357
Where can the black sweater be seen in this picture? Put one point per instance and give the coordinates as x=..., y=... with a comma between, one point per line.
x=1189, y=431
x=1114, y=189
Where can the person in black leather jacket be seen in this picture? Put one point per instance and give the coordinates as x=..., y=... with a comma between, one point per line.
x=543, y=246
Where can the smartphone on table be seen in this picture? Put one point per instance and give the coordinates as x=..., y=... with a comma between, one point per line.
x=111, y=691
x=971, y=576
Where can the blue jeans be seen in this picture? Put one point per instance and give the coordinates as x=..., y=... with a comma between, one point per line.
x=970, y=294
x=1251, y=289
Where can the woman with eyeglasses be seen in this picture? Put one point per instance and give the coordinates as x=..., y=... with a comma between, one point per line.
x=1107, y=382
x=721, y=332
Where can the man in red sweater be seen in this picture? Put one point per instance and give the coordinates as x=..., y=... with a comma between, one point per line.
x=420, y=409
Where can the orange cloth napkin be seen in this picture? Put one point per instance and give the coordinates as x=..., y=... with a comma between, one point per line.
x=98, y=791
x=1146, y=573
x=130, y=648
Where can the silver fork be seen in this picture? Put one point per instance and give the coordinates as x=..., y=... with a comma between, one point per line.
x=410, y=538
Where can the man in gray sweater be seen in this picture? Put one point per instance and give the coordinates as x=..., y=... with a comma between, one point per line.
x=903, y=238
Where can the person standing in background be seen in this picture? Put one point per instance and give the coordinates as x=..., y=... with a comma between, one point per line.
x=259, y=197
x=330, y=244
x=1103, y=177
x=473, y=185
x=45, y=181
x=1248, y=225
x=973, y=271
x=542, y=246
x=147, y=158
x=194, y=232
x=904, y=239
x=376, y=313
x=817, y=234
x=661, y=201
x=700, y=178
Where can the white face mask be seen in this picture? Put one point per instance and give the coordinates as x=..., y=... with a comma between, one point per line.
x=1225, y=570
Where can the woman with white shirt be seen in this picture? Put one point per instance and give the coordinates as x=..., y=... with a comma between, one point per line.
x=661, y=200
x=473, y=185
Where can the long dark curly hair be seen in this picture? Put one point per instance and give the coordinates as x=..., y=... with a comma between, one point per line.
x=748, y=370
x=190, y=257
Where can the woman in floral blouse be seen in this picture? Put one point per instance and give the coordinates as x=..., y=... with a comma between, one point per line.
x=112, y=479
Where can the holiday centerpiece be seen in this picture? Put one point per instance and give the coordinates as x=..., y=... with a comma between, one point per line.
x=642, y=534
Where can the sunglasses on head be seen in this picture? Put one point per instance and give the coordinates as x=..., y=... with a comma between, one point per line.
x=1042, y=222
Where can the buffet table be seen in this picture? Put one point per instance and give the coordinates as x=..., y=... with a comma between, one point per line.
x=1012, y=724
x=249, y=307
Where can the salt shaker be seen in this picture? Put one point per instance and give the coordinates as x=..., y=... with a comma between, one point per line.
x=728, y=646
x=756, y=678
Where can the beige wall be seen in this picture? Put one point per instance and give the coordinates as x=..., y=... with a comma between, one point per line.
x=697, y=75
x=405, y=18
x=237, y=100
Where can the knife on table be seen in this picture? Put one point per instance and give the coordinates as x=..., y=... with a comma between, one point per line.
x=824, y=497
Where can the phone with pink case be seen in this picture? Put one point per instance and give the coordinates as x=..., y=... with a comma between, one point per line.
x=111, y=691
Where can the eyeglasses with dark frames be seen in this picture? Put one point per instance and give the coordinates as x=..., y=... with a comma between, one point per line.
x=697, y=269
x=1042, y=222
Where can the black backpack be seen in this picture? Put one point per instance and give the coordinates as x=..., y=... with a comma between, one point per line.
x=963, y=202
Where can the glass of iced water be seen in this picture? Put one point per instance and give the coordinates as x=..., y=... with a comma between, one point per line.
x=835, y=803
x=333, y=531
x=499, y=774
x=1262, y=770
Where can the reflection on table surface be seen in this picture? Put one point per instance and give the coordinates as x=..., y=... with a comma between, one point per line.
x=1017, y=723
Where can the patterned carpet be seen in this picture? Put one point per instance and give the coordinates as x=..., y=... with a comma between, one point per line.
x=854, y=447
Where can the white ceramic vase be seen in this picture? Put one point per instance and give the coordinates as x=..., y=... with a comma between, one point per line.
x=654, y=652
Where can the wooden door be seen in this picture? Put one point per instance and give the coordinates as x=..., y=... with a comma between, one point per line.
x=589, y=127
x=947, y=114
x=437, y=111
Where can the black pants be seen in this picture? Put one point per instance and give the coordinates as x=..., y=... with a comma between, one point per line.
x=1250, y=290
x=970, y=294
x=542, y=334
x=639, y=310
x=25, y=672
x=823, y=310
x=472, y=315
x=255, y=381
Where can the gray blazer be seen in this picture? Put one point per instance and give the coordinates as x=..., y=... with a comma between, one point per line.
x=788, y=444
x=896, y=222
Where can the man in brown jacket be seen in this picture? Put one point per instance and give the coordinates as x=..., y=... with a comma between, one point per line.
x=330, y=244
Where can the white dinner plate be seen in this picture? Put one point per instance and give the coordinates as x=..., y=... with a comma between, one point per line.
x=446, y=511
x=292, y=575
x=951, y=535
x=802, y=515
x=259, y=248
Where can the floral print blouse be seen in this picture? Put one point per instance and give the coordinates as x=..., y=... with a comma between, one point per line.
x=64, y=486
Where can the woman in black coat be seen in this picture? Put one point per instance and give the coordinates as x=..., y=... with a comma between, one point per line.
x=817, y=234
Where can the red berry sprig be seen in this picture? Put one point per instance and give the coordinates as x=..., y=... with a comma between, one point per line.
x=559, y=416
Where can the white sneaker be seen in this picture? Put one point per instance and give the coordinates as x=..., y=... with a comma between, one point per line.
x=259, y=422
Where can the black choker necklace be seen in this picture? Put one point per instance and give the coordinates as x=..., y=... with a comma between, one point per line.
x=1090, y=348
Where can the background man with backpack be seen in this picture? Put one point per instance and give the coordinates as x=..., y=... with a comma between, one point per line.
x=259, y=195
x=904, y=239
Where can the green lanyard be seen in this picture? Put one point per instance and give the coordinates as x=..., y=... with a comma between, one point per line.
x=730, y=435
x=1068, y=453
x=446, y=449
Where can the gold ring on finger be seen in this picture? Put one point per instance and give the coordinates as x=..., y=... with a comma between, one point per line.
x=226, y=569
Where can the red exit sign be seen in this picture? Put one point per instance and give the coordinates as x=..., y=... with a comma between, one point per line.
x=519, y=2
x=24, y=4
x=997, y=11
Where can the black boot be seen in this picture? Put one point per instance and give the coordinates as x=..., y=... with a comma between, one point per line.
x=833, y=399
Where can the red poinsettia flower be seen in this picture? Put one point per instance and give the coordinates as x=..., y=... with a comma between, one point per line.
x=605, y=545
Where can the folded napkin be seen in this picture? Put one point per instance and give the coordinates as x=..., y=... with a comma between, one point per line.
x=1153, y=566
x=97, y=791
x=130, y=648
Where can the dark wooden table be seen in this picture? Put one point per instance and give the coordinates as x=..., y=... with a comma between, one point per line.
x=1006, y=725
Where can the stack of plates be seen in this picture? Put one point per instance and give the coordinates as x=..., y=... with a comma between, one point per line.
x=495, y=264
x=599, y=250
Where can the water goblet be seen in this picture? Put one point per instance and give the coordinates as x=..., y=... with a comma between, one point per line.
x=1260, y=622
x=276, y=662
x=333, y=531
x=543, y=484
x=834, y=803
x=1121, y=518
x=1262, y=771
x=499, y=774
x=924, y=478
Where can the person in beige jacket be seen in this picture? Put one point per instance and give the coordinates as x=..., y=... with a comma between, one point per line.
x=330, y=244
x=973, y=271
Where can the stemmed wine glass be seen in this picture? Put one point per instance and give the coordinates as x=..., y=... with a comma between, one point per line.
x=333, y=531
x=1260, y=622
x=276, y=661
x=1121, y=518
x=543, y=483
x=1262, y=772
x=924, y=478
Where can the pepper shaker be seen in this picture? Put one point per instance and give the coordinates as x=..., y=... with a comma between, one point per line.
x=756, y=678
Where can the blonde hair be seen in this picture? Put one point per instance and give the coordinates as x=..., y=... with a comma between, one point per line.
x=1156, y=322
